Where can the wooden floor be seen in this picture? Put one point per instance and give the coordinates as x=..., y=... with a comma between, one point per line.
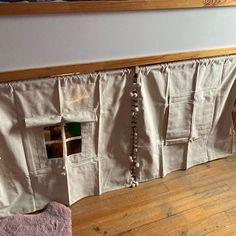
x=199, y=201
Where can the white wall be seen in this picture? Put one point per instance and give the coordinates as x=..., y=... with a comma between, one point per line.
x=44, y=40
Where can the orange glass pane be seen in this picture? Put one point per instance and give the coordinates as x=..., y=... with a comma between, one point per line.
x=74, y=146
x=52, y=133
x=54, y=150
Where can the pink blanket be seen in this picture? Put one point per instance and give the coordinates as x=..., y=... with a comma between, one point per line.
x=55, y=220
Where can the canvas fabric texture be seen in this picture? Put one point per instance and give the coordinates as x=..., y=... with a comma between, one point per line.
x=184, y=120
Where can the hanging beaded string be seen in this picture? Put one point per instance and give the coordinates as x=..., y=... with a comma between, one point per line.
x=134, y=164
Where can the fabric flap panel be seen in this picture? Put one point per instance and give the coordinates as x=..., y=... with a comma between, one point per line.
x=83, y=115
x=38, y=121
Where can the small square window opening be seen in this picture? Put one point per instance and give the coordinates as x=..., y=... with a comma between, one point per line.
x=54, y=140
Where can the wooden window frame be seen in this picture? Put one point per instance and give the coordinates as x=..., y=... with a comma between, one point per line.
x=21, y=8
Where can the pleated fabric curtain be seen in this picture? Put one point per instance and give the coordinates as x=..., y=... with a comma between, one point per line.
x=132, y=125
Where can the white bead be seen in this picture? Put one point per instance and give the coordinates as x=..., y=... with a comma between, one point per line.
x=135, y=150
x=131, y=94
x=131, y=158
x=135, y=134
x=133, y=185
x=136, y=184
x=135, y=95
x=136, y=109
x=63, y=173
x=132, y=179
x=137, y=164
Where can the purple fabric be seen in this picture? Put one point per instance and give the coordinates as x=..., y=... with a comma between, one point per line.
x=55, y=220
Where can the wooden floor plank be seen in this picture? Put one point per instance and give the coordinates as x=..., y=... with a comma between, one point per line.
x=194, y=221
x=198, y=201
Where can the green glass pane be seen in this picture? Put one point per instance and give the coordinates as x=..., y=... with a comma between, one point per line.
x=73, y=129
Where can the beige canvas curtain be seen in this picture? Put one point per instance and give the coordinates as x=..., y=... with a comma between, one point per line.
x=135, y=126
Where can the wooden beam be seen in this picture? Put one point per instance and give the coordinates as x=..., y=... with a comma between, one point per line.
x=34, y=73
x=105, y=6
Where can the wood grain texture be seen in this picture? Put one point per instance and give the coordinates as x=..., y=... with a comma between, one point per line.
x=105, y=6
x=199, y=201
x=35, y=73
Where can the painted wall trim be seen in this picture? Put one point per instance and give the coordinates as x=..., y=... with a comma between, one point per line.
x=106, y=6
x=34, y=73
